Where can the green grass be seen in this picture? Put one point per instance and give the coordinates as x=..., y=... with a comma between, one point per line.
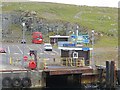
x=98, y=18
x=106, y=41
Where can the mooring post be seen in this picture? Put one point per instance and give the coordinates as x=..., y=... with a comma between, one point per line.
x=100, y=70
x=107, y=74
x=118, y=76
x=112, y=75
x=118, y=72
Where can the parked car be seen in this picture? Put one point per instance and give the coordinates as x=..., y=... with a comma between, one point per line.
x=2, y=50
x=47, y=46
x=23, y=41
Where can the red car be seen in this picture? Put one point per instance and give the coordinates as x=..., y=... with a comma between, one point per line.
x=2, y=50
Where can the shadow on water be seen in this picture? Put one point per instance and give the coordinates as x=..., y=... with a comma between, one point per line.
x=118, y=88
x=42, y=89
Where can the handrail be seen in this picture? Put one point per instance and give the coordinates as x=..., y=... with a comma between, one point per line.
x=12, y=70
x=69, y=62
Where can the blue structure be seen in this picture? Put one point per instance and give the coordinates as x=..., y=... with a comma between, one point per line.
x=76, y=44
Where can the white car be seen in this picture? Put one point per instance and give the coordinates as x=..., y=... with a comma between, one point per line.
x=47, y=46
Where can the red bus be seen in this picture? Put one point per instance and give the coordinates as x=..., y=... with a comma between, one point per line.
x=37, y=37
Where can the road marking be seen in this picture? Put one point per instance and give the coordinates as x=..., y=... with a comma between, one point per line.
x=8, y=50
x=52, y=53
x=46, y=59
x=46, y=52
x=55, y=52
x=19, y=49
x=16, y=53
x=41, y=53
x=29, y=47
x=39, y=48
x=32, y=46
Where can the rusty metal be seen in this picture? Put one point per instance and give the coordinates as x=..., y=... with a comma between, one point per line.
x=68, y=70
x=88, y=78
x=112, y=74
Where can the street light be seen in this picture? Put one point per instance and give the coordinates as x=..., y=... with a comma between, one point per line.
x=23, y=24
x=77, y=31
x=93, y=62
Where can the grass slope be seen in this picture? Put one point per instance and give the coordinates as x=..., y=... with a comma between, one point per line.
x=98, y=18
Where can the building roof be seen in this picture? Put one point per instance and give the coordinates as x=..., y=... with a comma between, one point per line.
x=75, y=48
x=58, y=36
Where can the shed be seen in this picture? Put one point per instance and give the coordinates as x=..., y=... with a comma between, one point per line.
x=55, y=39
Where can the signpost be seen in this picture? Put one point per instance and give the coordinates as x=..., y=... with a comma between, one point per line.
x=75, y=55
x=25, y=58
x=32, y=64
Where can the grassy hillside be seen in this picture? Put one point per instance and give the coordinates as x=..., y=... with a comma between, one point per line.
x=103, y=20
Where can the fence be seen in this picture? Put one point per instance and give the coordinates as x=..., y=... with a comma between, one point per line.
x=41, y=62
x=72, y=62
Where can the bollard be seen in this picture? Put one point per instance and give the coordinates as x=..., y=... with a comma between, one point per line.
x=83, y=62
x=10, y=61
x=66, y=61
x=71, y=62
x=54, y=59
x=78, y=63
x=45, y=66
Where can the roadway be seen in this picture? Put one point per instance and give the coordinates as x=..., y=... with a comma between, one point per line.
x=15, y=52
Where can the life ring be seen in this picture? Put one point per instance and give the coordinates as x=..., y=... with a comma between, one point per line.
x=16, y=82
x=6, y=82
x=26, y=82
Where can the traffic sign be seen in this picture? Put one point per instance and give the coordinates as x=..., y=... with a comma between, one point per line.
x=69, y=45
x=85, y=48
x=75, y=54
x=32, y=64
x=25, y=58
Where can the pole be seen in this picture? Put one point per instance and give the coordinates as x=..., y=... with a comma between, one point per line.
x=48, y=34
x=23, y=43
x=57, y=35
x=76, y=35
x=93, y=62
x=77, y=31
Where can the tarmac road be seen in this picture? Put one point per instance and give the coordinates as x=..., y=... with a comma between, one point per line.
x=15, y=52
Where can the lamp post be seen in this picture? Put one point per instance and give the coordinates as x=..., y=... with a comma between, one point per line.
x=23, y=40
x=77, y=31
x=49, y=30
x=93, y=62
x=23, y=24
x=31, y=28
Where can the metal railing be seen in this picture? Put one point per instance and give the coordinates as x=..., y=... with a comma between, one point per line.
x=72, y=62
